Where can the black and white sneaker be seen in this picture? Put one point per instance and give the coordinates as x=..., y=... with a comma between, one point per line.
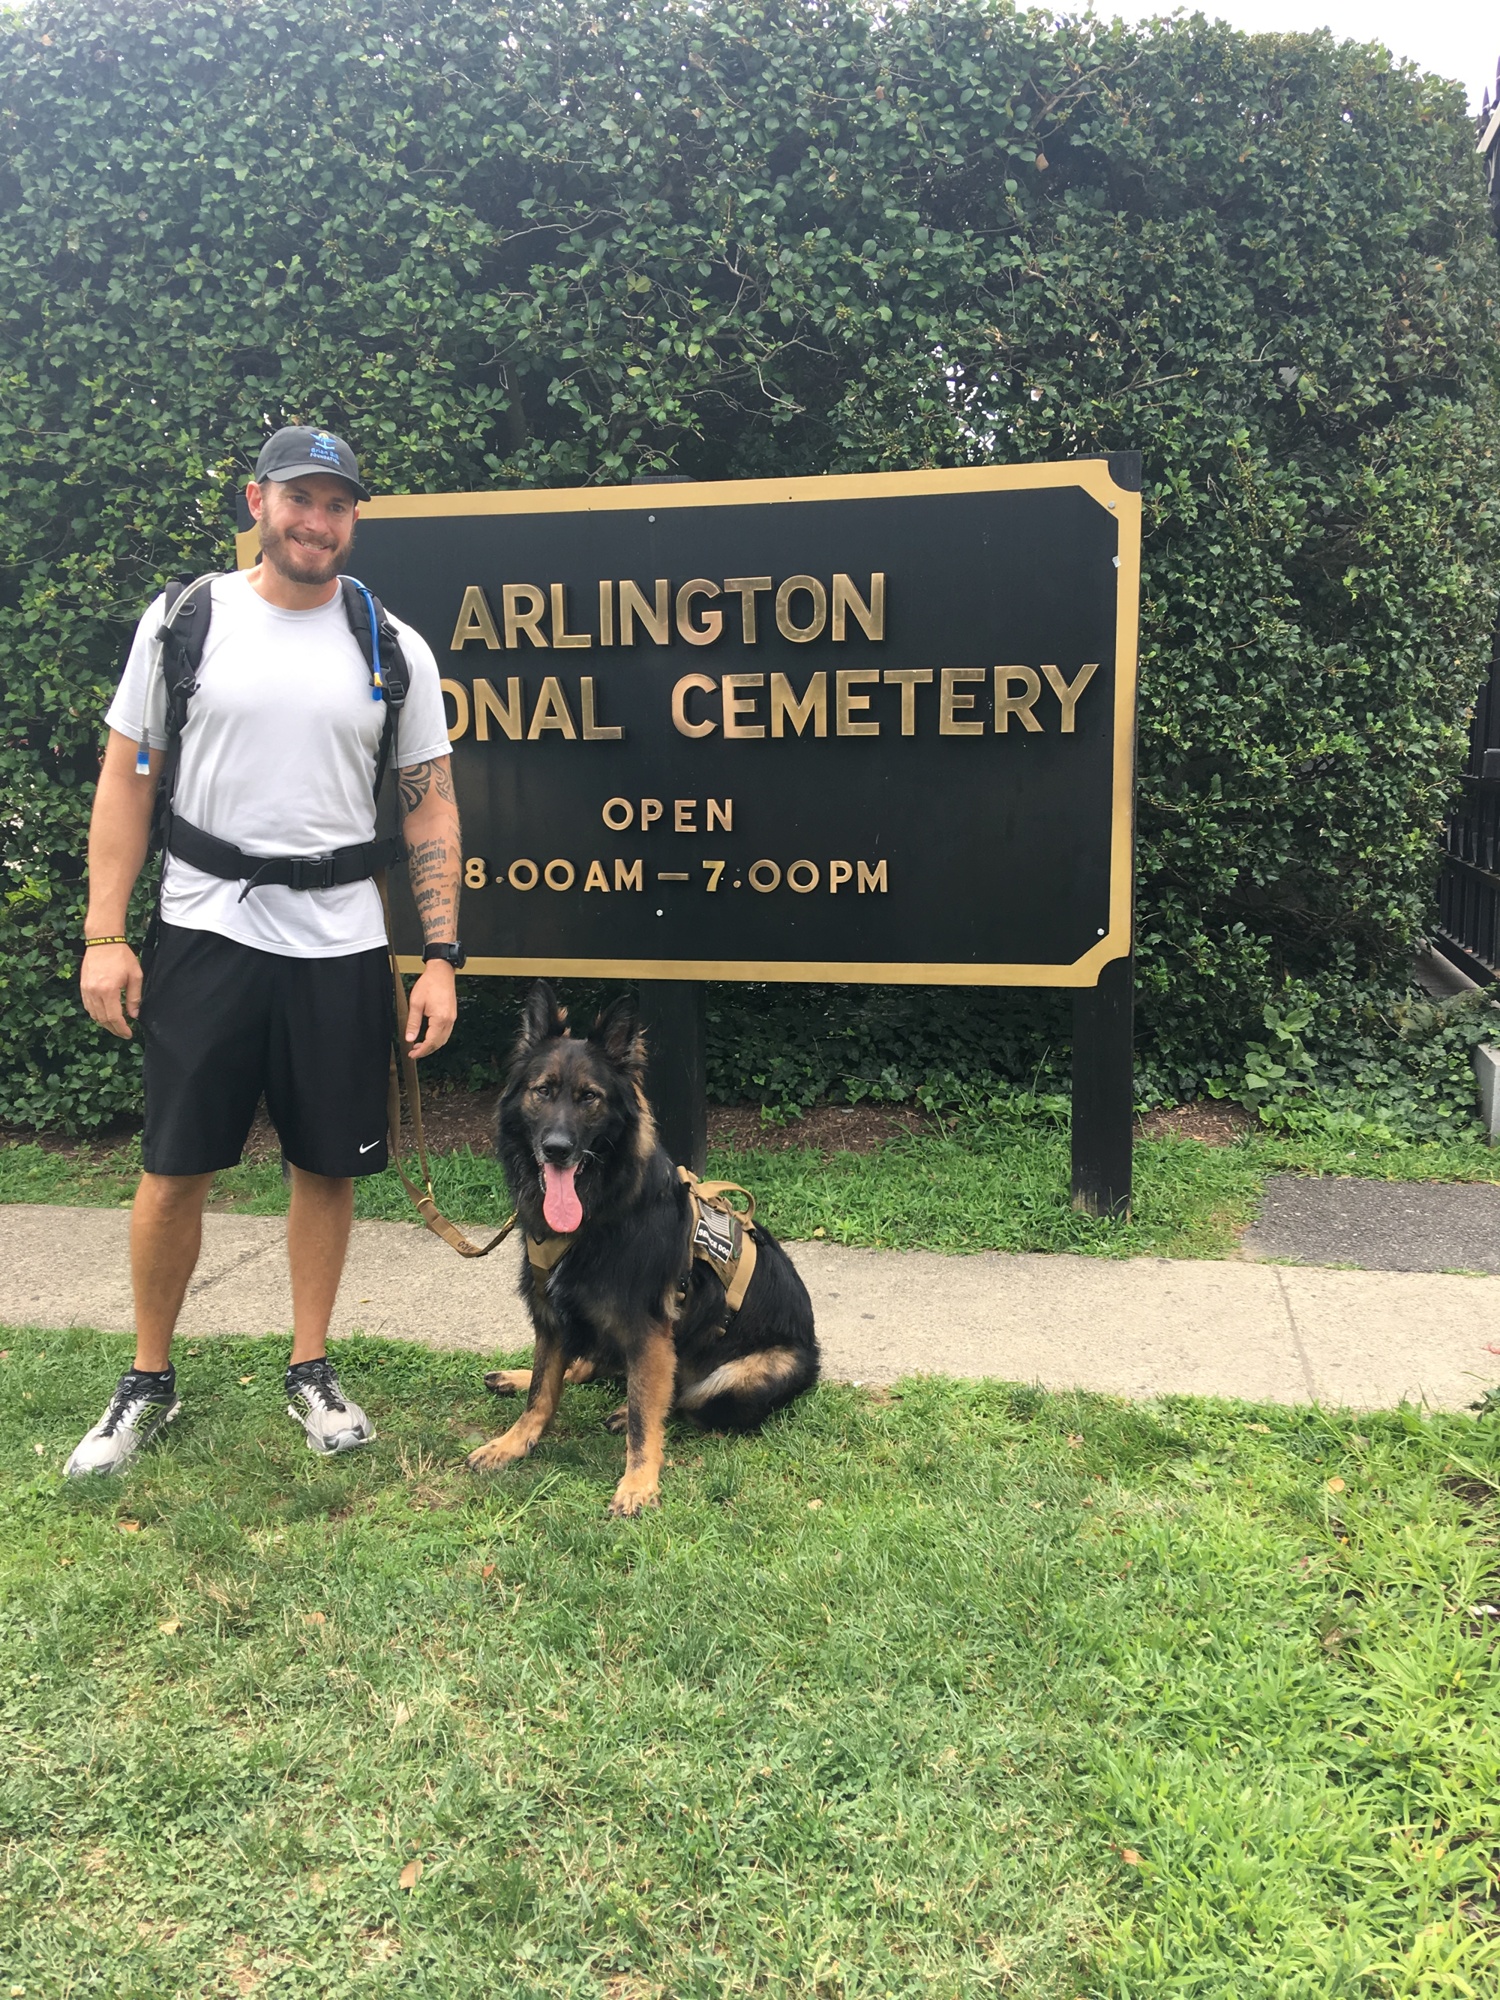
x=315, y=1400
x=140, y=1407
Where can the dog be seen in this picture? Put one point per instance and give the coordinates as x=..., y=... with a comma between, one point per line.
x=621, y=1292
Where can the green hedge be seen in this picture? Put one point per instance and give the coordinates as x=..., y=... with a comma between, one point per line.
x=509, y=244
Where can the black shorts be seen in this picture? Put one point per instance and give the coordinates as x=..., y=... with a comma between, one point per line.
x=222, y=1023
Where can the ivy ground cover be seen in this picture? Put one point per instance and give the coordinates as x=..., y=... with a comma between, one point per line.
x=967, y=1691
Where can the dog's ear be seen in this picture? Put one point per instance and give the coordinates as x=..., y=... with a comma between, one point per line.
x=542, y=1019
x=619, y=1033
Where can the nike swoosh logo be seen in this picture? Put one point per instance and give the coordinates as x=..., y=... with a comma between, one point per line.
x=371, y=1147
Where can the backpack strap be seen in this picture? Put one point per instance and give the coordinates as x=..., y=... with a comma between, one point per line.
x=390, y=677
x=182, y=636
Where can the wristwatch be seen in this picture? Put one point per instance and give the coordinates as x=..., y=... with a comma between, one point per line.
x=450, y=954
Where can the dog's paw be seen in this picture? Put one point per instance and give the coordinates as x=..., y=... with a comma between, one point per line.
x=634, y=1496
x=616, y=1421
x=499, y=1452
x=508, y=1381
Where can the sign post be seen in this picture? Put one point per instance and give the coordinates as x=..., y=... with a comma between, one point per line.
x=869, y=729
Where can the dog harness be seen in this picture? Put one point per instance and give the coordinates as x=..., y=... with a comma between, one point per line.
x=723, y=1237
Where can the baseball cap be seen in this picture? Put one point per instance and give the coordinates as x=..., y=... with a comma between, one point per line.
x=296, y=450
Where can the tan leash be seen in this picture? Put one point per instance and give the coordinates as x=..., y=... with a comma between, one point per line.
x=404, y=1082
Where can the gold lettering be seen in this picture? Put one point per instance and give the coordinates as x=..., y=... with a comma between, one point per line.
x=735, y=706
x=682, y=815
x=1068, y=694
x=475, y=621
x=839, y=872
x=908, y=679
x=950, y=701
x=523, y=606
x=763, y=875
x=458, y=694
x=650, y=812
x=785, y=706
x=846, y=705
x=552, y=712
x=720, y=816
x=523, y=875
x=595, y=731
x=680, y=694
x=625, y=811
x=561, y=636
x=809, y=880
x=872, y=879
x=749, y=588
x=488, y=705
x=800, y=634
x=869, y=617
x=713, y=621
x=633, y=605
x=564, y=871
x=628, y=875
x=1007, y=704
x=596, y=878
x=606, y=612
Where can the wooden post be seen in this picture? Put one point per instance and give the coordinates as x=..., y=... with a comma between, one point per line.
x=1104, y=1091
x=673, y=1015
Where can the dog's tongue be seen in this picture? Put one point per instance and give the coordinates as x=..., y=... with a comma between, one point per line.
x=560, y=1203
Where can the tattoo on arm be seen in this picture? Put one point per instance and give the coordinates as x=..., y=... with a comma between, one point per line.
x=416, y=780
x=432, y=866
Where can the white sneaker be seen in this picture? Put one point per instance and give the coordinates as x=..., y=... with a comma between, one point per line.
x=139, y=1408
x=315, y=1400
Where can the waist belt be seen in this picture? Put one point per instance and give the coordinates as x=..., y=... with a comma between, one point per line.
x=291, y=871
x=723, y=1237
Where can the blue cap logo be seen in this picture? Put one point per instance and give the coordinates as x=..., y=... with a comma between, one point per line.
x=325, y=446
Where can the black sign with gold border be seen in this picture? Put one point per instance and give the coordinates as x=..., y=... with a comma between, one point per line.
x=875, y=728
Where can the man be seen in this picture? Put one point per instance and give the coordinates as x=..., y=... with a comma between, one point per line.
x=255, y=985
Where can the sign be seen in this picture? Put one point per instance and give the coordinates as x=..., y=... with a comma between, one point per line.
x=867, y=728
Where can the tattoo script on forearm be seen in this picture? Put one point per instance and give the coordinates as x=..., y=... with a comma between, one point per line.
x=432, y=866
x=433, y=848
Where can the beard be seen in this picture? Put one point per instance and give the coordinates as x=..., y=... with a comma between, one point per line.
x=297, y=561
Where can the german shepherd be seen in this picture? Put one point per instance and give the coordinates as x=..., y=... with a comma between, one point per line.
x=628, y=1298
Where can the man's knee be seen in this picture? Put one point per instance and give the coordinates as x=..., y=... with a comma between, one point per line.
x=332, y=1189
x=172, y=1195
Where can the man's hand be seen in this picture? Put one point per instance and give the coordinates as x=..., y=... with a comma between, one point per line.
x=113, y=970
x=432, y=1008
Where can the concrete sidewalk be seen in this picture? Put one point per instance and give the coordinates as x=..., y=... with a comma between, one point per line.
x=1140, y=1328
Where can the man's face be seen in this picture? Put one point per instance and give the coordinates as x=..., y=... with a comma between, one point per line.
x=306, y=525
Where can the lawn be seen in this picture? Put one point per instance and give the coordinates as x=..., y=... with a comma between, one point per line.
x=992, y=1183
x=970, y=1690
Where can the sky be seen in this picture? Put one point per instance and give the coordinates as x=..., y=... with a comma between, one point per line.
x=1457, y=38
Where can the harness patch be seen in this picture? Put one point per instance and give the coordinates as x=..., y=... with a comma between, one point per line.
x=716, y=1238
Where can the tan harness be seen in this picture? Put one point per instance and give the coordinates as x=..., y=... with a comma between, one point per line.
x=723, y=1237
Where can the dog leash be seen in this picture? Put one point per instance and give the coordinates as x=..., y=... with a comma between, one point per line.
x=405, y=1083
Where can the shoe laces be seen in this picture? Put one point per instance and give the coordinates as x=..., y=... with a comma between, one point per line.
x=131, y=1396
x=317, y=1381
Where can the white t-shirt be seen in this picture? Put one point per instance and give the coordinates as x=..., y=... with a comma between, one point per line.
x=278, y=756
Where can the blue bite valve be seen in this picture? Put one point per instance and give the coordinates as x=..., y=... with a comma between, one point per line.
x=143, y=759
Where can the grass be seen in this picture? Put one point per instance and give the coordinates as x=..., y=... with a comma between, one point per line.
x=991, y=1184
x=973, y=1691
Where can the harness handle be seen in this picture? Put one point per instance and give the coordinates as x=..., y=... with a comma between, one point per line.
x=715, y=1193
